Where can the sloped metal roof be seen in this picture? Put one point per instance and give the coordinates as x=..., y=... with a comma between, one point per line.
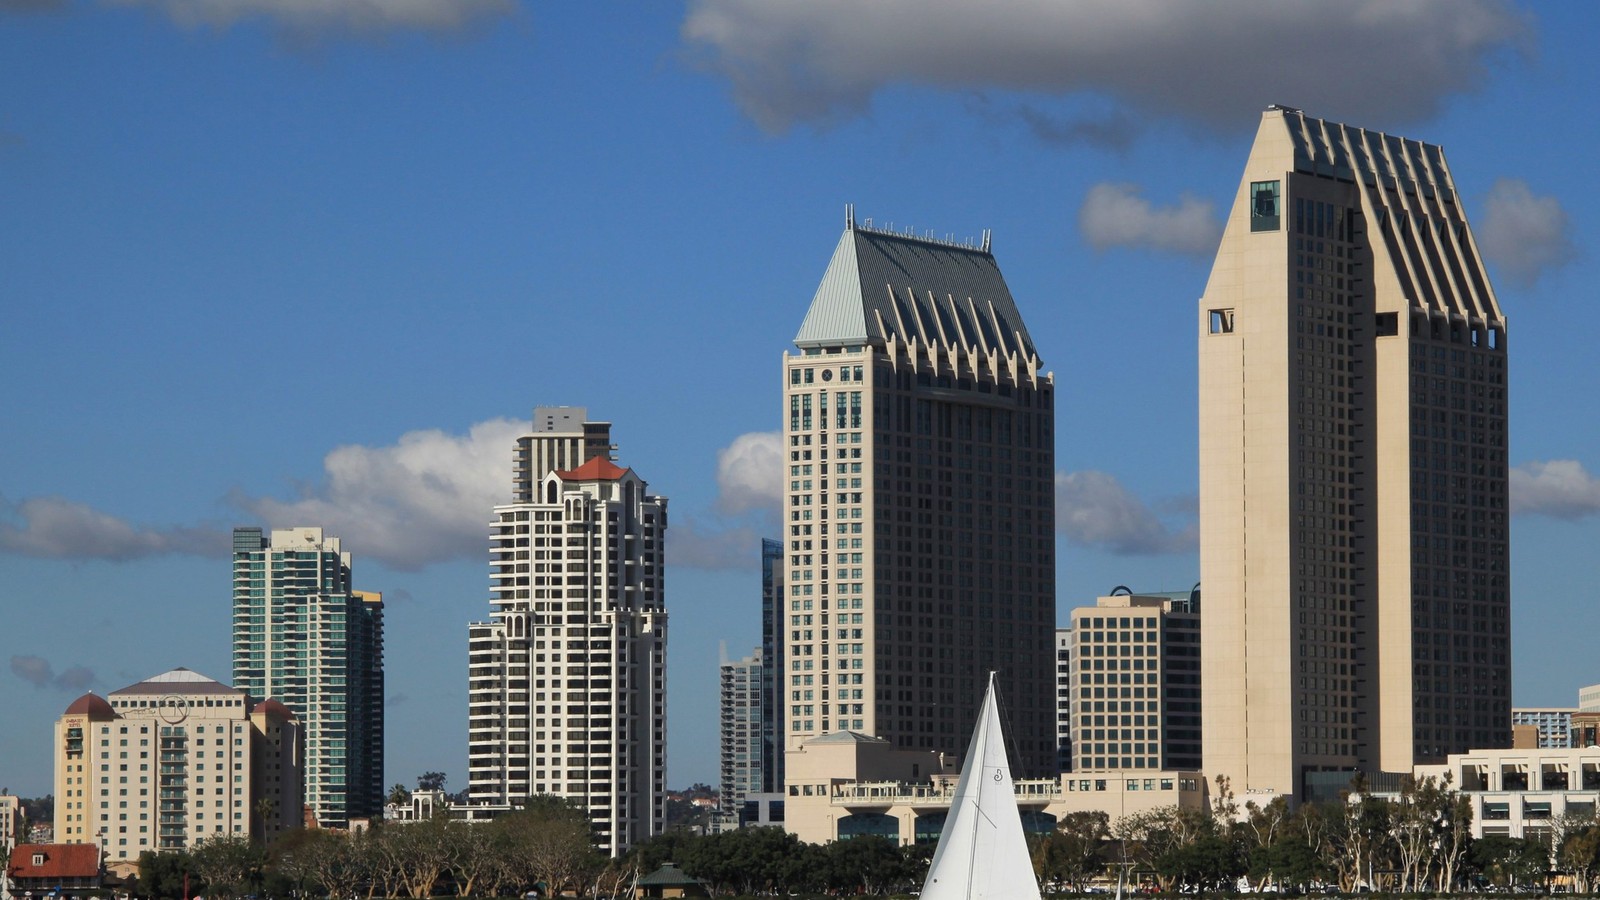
x=880, y=285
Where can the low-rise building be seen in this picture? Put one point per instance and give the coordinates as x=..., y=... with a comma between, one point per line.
x=39, y=870
x=1519, y=792
x=846, y=784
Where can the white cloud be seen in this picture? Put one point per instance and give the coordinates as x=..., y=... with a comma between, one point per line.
x=750, y=473
x=1522, y=234
x=1114, y=215
x=424, y=499
x=57, y=528
x=1376, y=62
x=1095, y=510
x=1560, y=488
x=306, y=19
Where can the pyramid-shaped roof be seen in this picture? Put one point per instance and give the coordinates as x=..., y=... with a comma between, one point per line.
x=598, y=468
x=880, y=285
x=177, y=681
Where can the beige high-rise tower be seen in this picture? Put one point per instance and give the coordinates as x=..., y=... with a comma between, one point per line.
x=919, y=503
x=1353, y=505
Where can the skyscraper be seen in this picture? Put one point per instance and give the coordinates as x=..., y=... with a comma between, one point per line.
x=920, y=548
x=303, y=637
x=1353, y=533
x=567, y=681
x=740, y=705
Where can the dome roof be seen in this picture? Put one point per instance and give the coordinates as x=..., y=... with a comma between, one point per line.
x=273, y=708
x=92, y=705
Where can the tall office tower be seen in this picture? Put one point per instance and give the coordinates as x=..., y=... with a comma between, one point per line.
x=1135, y=682
x=920, y=502
x=1353, y=535
x=303, y=637
x=567, y=681
x=772, y=685
x=741, y=702
x=174, y=760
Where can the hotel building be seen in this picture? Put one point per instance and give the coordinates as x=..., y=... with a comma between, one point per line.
x=174, y=760
x=1353, y=504
x=920, y=503
x=567, y=681
x=304, y=637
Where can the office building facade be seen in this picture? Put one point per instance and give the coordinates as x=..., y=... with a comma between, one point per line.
x=173, y=760
x=304, y=637
x=1135, y=683
x=1353, y=503
x=567, y=681
x=919, y=502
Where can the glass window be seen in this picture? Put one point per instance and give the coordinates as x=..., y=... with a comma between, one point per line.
x=1264, y=205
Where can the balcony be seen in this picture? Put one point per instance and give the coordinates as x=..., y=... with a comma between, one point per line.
x=1030, y=792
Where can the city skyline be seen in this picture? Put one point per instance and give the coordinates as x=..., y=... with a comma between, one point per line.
x=411, y=214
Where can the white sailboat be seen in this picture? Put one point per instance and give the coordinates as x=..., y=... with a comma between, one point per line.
x=983, y=852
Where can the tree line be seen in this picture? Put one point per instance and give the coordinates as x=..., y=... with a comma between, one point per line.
x=1415, y=841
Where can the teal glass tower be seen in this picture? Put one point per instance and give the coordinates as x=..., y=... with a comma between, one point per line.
x=304, y=637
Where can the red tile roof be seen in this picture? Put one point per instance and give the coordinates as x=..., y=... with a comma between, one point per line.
x=60, y=861
x=92, y=705
x=598, y=468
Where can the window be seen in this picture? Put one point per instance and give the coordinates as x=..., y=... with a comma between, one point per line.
x=1264, y=196
x=1388, y=324
x=1222, y=321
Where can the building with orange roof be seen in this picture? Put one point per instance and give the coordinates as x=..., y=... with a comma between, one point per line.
x=40, y=869
x=567, y=681
x=172, y=760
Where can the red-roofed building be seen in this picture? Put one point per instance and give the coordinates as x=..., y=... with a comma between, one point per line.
x=576, y=562
x=44, y=868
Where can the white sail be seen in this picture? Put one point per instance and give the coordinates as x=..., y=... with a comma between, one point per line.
x=982, y=851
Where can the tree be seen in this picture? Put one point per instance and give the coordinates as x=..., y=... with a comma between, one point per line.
x=431, y=781
x=330, y=859
x=229, y=864
x=161, y=875
x=864, y=865
x=549, y=842
x=1579, y=854
x=1070, y=855
x=399, y=796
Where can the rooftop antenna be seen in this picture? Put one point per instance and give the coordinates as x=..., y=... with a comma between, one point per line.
x=986, y=236
x=849, y=217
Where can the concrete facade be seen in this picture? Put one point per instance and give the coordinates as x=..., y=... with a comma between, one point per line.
x=1522, y=793
x=918, y=504
x=304, y=637
x=845, y=784
x=567, y=682
x=1134, y=684
x=173, y=760
x=1353, y=499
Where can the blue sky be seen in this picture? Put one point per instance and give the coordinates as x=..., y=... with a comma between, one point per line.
x=292, y=262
